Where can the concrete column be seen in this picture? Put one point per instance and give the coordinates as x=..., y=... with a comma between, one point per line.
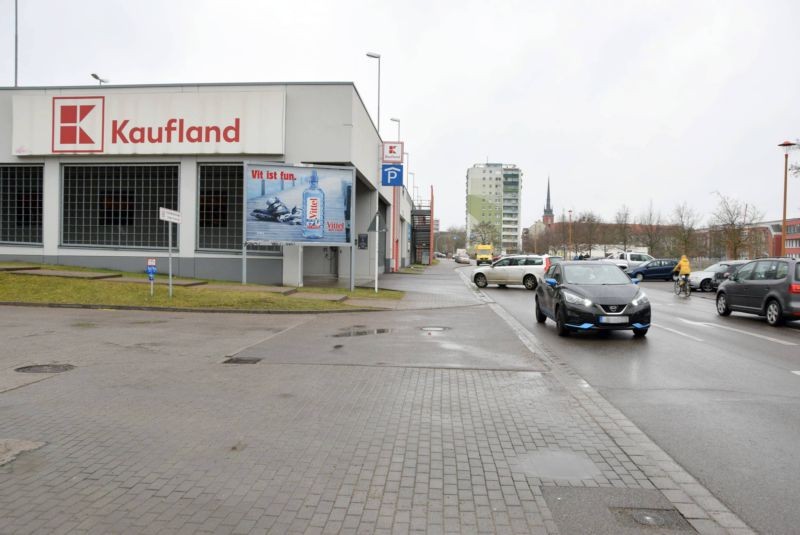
x=292, y=265
x=187, y=206
x=51, y=207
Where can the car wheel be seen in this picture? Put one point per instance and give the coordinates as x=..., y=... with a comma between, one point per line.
x=480, y=280
x=561, y=322
x=774, y=313
x=705, y=286
x=530, y=282
x=639, y=333
x=540, y=317
x=722, y=305
x=640, y=277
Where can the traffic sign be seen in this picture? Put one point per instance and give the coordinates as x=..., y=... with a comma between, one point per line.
x=151, y=262
x=391, y=174
x=165, y=214
x=393, y=152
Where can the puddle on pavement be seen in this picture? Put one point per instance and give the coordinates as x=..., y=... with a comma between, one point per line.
x=45, y=368
x=359, y=330
x=556, y=465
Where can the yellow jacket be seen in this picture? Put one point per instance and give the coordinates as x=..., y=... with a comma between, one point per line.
x=683, y=267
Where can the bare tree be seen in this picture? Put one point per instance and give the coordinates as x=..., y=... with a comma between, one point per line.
x=732, y=219
x=622, y=219
x=587, y=231
x=651, y=232
x=684, y=220
x=486, y=233
x=451, y=239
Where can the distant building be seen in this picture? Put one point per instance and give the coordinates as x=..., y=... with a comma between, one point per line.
x=547, y=217
x=493, y=196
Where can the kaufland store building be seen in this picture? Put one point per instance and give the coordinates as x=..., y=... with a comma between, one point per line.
x=84, y=171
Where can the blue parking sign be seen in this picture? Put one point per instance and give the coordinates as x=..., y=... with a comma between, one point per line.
x=391, y=174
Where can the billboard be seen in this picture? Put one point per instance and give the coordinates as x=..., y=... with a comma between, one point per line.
x=303, y=205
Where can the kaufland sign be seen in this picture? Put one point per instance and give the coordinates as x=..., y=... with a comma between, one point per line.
x=246, y=122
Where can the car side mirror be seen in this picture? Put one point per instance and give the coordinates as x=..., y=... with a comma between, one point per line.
x=551, y=282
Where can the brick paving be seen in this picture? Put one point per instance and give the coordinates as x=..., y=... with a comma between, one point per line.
x=351, y=423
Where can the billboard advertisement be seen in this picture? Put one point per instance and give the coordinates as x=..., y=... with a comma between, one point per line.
x=302, y=205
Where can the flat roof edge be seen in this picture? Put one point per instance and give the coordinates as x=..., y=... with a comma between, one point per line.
x=151, y=86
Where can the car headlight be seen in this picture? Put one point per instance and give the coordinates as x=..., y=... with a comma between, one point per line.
x=640, y=299
x=576, y=299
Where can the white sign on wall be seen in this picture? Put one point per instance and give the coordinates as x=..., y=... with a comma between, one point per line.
x=240, y=122
x=393, y=152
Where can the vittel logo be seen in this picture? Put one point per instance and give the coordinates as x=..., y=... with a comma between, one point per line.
x=78, y=124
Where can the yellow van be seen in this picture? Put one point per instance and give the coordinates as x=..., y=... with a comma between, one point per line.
x=483, y=254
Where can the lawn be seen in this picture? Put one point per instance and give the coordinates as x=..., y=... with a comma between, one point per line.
x=15, y=288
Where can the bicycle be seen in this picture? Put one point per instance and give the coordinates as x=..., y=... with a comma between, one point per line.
x=682, y=285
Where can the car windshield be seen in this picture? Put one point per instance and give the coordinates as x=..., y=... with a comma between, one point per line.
x=595, y=274
x=719, y=267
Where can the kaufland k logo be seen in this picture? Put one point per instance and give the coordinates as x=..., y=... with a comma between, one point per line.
x=78, y=124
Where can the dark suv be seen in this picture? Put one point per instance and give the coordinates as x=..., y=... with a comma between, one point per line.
x=768, y=287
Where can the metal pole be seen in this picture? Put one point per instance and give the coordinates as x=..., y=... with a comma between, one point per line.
x=151, y=287
x=16, y=40
x=377, y=247
x=379, y=96
x=785, y=183
x=170, y=259
x=244, y=262
x=352, y=267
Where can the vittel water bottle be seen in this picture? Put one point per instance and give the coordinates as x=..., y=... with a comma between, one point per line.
x=313, y=208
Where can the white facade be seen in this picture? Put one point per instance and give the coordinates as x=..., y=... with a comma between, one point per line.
x=493, y=196
x=99, y=156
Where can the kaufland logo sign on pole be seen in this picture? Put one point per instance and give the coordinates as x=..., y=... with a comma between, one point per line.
x=157, y=123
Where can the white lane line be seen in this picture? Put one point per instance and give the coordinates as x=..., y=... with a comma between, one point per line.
x=740, y=331
x=696, y=339
x=796, y=372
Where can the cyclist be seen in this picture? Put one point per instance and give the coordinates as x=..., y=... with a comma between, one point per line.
x=684, y=269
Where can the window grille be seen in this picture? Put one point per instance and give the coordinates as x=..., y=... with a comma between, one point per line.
x=21, y=204
x=117, y=205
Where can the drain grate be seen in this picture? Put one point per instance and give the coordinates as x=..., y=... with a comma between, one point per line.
x=241, y=360
x=434, y=329
x=45, y=368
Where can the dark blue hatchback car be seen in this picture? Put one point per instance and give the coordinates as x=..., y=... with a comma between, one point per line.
x=660, y=268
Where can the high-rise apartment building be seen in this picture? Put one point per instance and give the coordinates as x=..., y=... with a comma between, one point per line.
x=493, y=197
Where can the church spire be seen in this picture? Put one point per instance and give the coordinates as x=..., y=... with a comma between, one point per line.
x=548, y=216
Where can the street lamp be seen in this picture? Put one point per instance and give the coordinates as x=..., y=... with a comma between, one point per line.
x=100, y=81
x=373, y=55
x=396, y=120
x=787, y=146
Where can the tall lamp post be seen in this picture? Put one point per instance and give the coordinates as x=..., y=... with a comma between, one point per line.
x=787, y=146
x=373, y=55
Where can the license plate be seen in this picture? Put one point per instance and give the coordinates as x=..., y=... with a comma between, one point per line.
x=613, y=319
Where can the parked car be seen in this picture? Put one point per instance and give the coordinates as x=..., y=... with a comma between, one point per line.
x=711, y=277
x=527, y=270
x=660, y=268
x=592, y=296
x=462, y=258
x=629, y=260
x=768, y=287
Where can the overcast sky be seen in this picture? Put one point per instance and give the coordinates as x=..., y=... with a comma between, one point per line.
x=618, y=102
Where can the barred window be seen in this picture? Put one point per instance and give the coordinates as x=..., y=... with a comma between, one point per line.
x=117, y=205
x=220, y=209
x=21, y=204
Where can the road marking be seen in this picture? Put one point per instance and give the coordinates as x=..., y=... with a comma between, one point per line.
x=796, y=372
x=740, y=331
x=677, y=332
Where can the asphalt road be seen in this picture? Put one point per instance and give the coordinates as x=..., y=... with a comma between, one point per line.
x=720, y=395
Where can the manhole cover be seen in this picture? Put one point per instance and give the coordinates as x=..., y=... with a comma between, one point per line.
x=45, y=368
x=241, y=360
x=434, y=329
x=669, y=519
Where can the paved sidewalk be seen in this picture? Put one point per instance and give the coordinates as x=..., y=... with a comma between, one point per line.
x=443, y=416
